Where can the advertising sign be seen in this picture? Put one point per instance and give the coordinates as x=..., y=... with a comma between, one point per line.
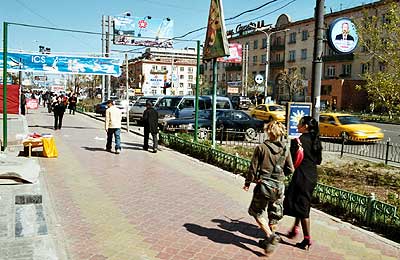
x=294, y=113
x=12, y=100
x=233, y=90
x=57, y=88
x=32, y=103
x=342, y=35
x=147, y=31
x=156, y=81
x=235, y=54
x=51, y=63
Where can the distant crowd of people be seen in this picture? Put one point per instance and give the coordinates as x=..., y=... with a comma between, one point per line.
x=55, y=103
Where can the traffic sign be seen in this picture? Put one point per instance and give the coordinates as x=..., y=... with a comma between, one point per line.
x=259, y=79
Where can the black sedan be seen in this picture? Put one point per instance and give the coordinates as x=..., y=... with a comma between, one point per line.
x=234, y=121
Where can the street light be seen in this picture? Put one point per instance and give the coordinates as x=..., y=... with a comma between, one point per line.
x=268, y=34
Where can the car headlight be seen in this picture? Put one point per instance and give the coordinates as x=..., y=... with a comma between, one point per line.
x=280, y=116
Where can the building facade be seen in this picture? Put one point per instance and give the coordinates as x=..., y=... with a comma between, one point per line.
x=291, y=47
x=164, y=71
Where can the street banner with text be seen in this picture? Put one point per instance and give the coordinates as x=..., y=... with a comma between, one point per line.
x=235, y=54
x=59, y=64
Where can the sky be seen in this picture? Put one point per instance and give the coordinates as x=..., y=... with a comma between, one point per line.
x=86, y=15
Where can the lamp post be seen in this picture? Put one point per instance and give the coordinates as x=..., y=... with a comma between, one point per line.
x=268, y=34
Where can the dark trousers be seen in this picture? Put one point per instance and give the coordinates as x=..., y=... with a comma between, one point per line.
x=146, y=140
x=58, y=120
x=72, y=109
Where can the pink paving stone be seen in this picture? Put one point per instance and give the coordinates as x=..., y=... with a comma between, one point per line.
x=98, y=257
x=165, y=256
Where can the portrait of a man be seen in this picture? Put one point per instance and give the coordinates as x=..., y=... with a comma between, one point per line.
x=345, y=36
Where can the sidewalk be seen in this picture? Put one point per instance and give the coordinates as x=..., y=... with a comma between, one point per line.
x=140, y=205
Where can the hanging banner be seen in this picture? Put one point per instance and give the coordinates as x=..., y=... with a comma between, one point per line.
x=49, y=63
x=235, y=54
x=216, y=43
x=147, y=31
x=13, y=99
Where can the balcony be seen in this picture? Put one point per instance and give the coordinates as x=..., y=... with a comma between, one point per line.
x=277, y=47
x=338, y=57
x=277, y=64
x=154, y=71
x=233, y=68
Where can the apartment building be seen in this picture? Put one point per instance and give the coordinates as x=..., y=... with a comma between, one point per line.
x=165, y=71
x=292, y=46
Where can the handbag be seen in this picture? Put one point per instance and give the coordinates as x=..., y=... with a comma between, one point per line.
x=299, y=156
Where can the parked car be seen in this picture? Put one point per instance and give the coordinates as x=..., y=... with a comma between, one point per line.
x=269, y=112
x=337, y=125
x=227, y=119
x=241, y=102
x=101, y=108
x=137, y=109
x=122, y=105
x=170, y=107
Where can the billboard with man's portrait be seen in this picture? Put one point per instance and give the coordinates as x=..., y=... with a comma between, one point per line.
x=342, y=36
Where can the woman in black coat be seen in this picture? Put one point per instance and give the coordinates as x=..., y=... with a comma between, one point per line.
x=297, y=200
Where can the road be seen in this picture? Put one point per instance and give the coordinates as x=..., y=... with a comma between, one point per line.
x=390, y=130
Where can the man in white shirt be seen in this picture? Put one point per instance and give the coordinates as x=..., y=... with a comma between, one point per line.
x=113, y=126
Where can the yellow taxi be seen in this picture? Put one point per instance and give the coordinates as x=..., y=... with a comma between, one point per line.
x=269, y=112
x=338, y=124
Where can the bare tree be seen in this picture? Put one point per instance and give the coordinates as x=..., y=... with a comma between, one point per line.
x=291, y=82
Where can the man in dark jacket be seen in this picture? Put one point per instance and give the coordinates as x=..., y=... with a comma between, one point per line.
x=150, y=119
x=59, y=109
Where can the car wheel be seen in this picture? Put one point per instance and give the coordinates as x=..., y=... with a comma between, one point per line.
x=251, y=134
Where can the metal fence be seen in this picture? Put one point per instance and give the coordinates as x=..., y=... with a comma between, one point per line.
x=366, y=210
x=385, y=151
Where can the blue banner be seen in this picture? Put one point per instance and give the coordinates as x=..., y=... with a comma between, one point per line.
x=51, y=63
x=295, y=112
x=146, y=31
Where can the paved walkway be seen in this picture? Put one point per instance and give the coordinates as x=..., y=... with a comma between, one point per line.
x=140, y=205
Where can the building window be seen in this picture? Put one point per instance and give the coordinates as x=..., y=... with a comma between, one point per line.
x=331, y=71
x=292, y=55
x=278, y=41
x=154, y=67
x=303, y=54
x=346, y=69
x=181, y=85
x=278, y=57
x=190, y=77
x=210, y=78
x=190, y=70
x=303, y=72
x=254, y=60
x=205, y=66
x=326, y=90
x=292, y=37
x=304, y=35
x=181, y=93
x=181, y=68
x=182, y=76
x=264, y=43
x=163, y=68
x=255, y=44
x=264, y=59
x=385, y=19
x=364, y=68
x=154, y=91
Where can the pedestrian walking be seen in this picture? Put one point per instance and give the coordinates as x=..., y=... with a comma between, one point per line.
x=58, y=108
x=297, y=200
x=270, y=163
x=150, y=118
x=113, y=126
x=72, y=103
x=23, y=103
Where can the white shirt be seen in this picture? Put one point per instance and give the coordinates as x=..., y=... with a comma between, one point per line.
x=113, y=117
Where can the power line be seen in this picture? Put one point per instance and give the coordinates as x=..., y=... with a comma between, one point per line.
x=251, y=10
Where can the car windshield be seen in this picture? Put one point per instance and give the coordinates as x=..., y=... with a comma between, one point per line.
x=168, y=103
x=275, y=108
x=142, y=101
x=348, y=120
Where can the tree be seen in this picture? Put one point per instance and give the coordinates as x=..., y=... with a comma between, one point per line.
x=291, y=82
x=379, y=36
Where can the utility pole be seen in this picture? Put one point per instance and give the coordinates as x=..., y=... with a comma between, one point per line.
x=103, y=46
x=317, y=58
x=127, y=92
x=108, y=55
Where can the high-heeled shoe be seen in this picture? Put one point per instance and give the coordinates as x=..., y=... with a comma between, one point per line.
x=293, y=233
x=305, y=244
